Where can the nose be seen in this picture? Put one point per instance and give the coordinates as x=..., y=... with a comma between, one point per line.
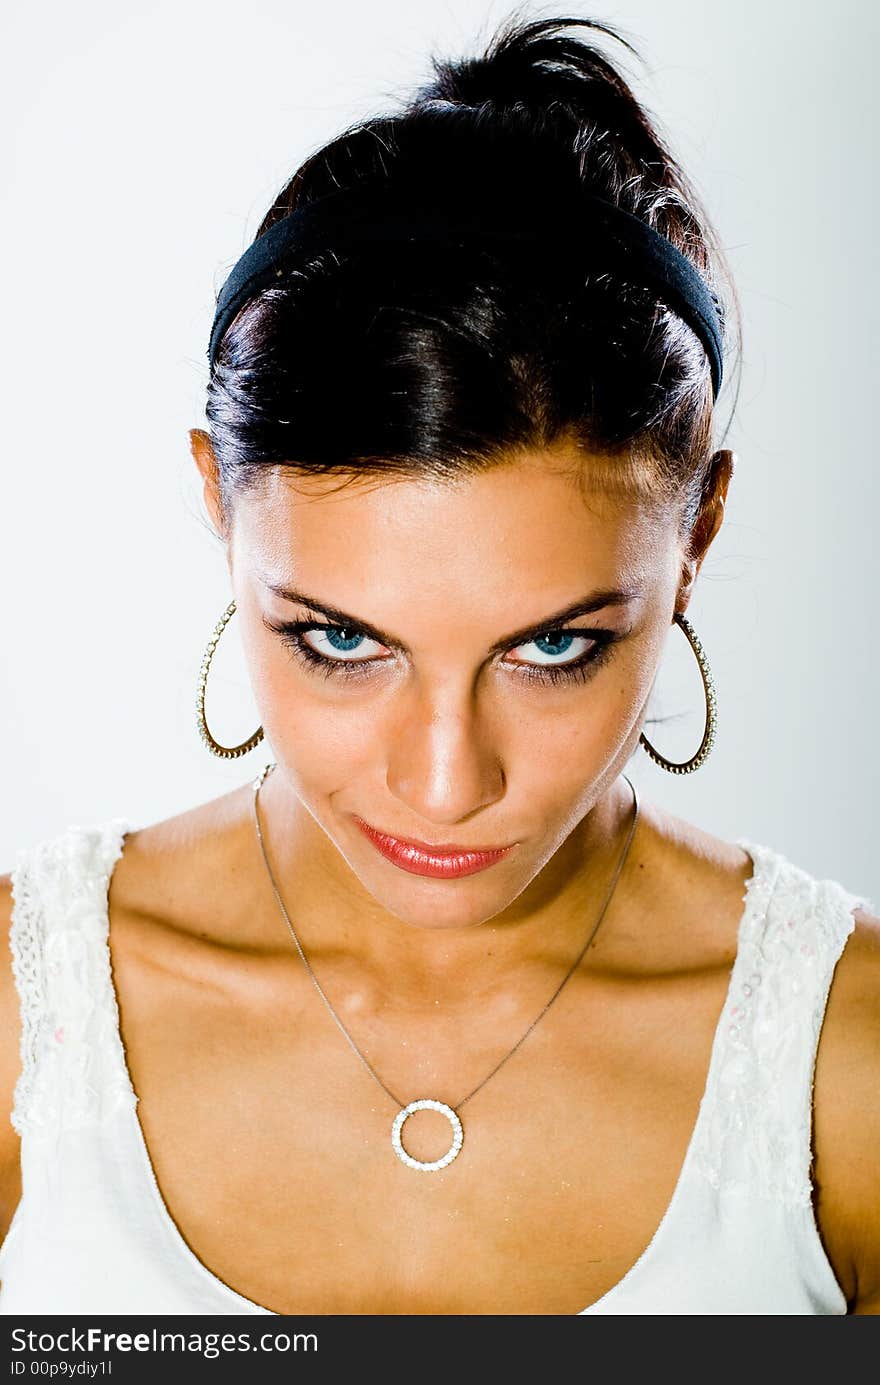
x=444, y=761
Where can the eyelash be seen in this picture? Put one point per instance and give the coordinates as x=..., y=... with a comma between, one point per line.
x=580, y=669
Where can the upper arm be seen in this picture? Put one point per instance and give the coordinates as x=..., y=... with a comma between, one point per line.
x=10, y=1066
x=847, y=1118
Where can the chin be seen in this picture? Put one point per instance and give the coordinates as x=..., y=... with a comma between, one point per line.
x=435, y=904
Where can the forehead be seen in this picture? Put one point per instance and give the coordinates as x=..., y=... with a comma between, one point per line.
x=533, y=519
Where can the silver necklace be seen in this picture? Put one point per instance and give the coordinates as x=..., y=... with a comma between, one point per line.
x=426, y=1103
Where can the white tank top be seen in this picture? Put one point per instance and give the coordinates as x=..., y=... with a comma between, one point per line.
x=92, y=1234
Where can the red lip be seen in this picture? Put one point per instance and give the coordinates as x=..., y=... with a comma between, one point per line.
x=420, y=858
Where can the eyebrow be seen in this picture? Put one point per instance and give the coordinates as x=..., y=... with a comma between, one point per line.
x=597, y=601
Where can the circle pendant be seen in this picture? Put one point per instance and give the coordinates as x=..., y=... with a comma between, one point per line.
x=403, y=1116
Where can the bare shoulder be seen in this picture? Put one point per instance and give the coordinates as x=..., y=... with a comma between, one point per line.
x=178, y=917
x=692, y=885
x=689, y=854
x=847, y=1117
x=175, y=870
x=10, y=1065
x=181, y=903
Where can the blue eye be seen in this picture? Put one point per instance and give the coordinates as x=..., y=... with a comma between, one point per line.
x=555, y=642
x=552, y=643
x=342, y=641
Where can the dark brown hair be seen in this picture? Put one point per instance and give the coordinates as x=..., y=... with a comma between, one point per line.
x=438, y=359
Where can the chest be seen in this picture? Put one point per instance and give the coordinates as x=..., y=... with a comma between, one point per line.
x=271, y=1143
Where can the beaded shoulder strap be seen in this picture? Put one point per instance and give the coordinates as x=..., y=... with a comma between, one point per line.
x=70, y=1073
x=757, y=1126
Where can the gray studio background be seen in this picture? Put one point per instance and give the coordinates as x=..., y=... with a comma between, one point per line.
x=144, y=142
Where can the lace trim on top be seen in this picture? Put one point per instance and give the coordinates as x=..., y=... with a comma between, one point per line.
x=758, y=1125
x=58, y=939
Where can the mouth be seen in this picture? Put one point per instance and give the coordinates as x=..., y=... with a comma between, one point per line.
x=444, y=861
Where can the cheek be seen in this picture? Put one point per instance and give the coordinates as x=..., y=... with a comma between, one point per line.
x=570, y=739
x=324, y=743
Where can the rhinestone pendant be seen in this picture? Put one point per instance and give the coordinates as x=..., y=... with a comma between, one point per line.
x=403, y=1116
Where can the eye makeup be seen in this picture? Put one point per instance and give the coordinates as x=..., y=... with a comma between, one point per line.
x=293, y=636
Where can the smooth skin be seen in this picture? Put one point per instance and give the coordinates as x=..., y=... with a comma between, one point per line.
x=270, y=1141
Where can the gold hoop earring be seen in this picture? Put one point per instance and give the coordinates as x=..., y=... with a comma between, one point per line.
x=225, y=751
x=687, y=766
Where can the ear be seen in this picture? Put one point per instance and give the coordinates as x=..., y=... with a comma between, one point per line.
x=203, y=456
x=707, y=524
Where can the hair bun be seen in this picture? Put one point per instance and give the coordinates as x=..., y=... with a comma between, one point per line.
x=532, y=63
x=544, y=72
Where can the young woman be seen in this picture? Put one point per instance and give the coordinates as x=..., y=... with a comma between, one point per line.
x=434, y=1015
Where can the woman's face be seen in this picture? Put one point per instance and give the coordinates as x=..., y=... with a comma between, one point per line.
x=451, y=701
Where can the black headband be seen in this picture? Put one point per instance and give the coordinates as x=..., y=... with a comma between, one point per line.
x=618, y=236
